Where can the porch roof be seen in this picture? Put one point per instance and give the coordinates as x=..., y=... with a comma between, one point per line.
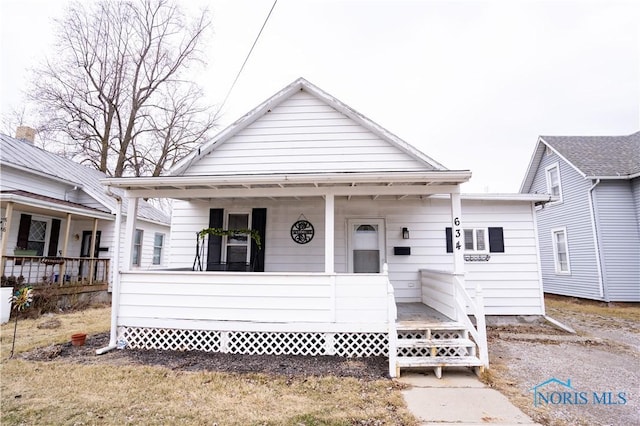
x=398, y=183
x=48, y=205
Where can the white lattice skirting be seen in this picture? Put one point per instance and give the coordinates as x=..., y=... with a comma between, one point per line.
x=256, y=343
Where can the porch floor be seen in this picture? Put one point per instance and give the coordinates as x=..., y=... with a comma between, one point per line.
x=419, y=312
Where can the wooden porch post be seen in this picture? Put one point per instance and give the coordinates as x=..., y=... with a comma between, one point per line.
x=129, y=234
x=457, y=233
x=92, y=248
x=329, y=227
x=5, y=237
x=65, y=247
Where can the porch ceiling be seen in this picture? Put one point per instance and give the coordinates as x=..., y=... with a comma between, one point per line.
x=397, y=184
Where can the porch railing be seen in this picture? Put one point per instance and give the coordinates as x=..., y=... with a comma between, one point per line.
x=445, y=291
x=40, y=271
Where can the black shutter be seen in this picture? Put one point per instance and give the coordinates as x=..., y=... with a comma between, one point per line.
x=54, y=237
x=214, y=248
x=449, y=240
x=23, y=231
x=496, y=240
x=259, y=223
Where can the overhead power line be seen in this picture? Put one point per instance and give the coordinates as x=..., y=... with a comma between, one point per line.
x=248, y=55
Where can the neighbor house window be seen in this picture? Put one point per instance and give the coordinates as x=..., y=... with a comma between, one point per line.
x=561, y=250
x=553, y=181
x=237, y=246
x=475, y=240
x=37, y=236
x=137, y=248
x=158, y=241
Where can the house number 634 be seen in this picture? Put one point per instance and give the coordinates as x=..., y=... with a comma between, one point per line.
x=456, y=222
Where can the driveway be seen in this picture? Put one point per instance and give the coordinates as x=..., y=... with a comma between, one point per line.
x=591, y=377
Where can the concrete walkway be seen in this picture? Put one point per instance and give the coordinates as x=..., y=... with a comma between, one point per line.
x=458, y=397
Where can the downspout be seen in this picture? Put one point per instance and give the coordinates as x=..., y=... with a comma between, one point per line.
x=115, y=290
x=596, y=240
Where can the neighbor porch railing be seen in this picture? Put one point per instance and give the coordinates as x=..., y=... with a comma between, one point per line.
x=445, y=292
x=39, y=271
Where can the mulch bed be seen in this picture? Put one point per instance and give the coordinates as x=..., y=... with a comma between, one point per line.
x=370, y=368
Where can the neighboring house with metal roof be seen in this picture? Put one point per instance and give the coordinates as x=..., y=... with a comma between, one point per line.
x=590, y=234
x=52, y=209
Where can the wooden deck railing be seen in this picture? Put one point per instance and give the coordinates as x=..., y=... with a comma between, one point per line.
x=445, y=291
x=39, y=271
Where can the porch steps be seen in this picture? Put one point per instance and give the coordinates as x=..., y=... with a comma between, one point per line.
x=436, y=345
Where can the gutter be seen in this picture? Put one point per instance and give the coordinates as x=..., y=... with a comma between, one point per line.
x=596, y=240
x=115, y=291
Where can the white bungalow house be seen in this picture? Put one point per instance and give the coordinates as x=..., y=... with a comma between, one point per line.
x=355, y=244
x=54, y=210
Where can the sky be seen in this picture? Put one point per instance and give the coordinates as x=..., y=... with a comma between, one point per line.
x=470, y=83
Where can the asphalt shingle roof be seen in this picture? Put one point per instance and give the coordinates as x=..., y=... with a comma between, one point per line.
x=27, y=156
x=600, y=156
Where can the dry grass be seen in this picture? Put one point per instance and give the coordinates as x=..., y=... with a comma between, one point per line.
x=626, y=311
x=65, y=393
x=30, y=335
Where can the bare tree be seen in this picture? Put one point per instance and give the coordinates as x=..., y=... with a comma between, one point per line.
x=116, y=89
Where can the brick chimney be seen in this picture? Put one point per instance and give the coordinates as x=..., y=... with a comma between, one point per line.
x=26, y=134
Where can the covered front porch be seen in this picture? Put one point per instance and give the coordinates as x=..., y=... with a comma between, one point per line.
x=47, y=242
x=291, y=307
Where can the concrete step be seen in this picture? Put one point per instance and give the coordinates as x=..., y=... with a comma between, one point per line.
x=435, y=343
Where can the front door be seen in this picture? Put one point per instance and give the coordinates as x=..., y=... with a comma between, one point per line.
x=366, y=245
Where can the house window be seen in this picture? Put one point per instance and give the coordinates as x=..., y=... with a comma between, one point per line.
x=553, y=181
x=489, y=239
x=561, y=250
x=237, y=246
x=137, y=248
x=158, y=241
x=475, y=240
x=37, y=236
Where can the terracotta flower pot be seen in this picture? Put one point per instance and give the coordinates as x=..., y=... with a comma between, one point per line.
x=78, y=339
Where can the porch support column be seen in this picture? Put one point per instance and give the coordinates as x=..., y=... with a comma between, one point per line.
x=65, y=246
x=5, y=236
x=129, y=234
x=457, y=233
x=92, y=252
x=67, y=231
x=329, y=232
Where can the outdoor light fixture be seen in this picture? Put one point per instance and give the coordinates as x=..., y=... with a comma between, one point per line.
x=405, y=233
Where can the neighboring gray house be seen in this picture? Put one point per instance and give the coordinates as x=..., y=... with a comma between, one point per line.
x=589, y=234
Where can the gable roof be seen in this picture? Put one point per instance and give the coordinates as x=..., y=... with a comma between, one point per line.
x=267, y=106
x=27, y=157
x=594, y=157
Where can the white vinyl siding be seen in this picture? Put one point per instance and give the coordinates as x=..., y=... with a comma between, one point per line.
x=304, y=135
x=560, y=250
x=511, y=280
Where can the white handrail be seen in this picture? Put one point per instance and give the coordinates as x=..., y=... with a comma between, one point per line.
x=479, y=331
x=392, y=315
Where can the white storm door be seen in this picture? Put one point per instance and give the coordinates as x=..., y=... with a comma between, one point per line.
x=366, y=245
